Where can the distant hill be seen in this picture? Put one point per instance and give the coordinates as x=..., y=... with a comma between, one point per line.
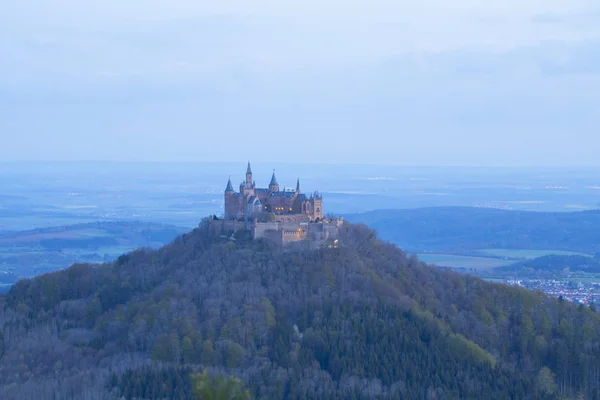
x=551, y=265
x=125, y=232
x=459, y=229
x=32, y=252
x=355, y=322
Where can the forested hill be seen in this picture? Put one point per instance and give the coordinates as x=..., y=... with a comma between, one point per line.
x=358, y=321
x=456, y=229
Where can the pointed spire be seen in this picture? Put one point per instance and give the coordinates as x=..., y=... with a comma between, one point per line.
x=249, y=175
x=298, y=186
x=229, y=187
x=273, y=180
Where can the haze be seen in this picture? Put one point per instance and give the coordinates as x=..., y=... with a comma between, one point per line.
x=513, y=83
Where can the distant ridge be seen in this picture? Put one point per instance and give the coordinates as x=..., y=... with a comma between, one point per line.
x=36, y=251
x=458, y=229
x=550, y=265
x=96, y=224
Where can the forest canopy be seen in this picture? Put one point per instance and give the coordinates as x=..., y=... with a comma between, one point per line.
x=360, y=321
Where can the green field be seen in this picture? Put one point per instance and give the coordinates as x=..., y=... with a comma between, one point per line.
x=528, y=254
x=454, y=261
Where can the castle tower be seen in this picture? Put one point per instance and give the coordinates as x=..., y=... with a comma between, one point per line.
x=298, y=186
x=230, y=204
x=247, y=187
x=317, y=206
x=229, y=188
x=249, y=175
x=273, y=186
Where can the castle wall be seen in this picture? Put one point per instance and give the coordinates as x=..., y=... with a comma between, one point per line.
x=292, y=218
x=282, y=233
x=290, y=236
x=259, y=230
x=288, y=232
x=223, y=227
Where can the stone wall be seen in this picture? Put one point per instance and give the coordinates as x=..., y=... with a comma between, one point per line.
x=281, y=233
x=259, y=230
x=224, y=227
x=292, y=218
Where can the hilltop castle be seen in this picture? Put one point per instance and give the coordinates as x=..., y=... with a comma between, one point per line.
x=284, y=205
x=284, y=216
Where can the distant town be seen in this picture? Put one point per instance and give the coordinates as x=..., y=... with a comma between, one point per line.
x=587, y=293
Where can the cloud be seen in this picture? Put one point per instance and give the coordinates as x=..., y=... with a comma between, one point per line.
x=59, y=38
x=429, y=78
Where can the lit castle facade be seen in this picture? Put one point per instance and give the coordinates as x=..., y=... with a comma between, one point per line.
x=283, y=205
x=283, y=216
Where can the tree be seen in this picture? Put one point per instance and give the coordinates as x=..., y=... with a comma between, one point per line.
x=188, y=354
x=218, y=388
x=545, y=381
x=207, y=354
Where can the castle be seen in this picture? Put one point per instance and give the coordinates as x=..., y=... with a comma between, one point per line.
x=284, y=205
x=283, y=216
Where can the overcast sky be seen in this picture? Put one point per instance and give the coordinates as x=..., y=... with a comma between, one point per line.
x=428, y=82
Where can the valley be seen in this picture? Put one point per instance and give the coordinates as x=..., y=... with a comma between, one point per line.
x=25, y=254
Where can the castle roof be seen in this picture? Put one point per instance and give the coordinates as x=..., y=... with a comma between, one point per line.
x=254, y=200
x=229, y=187
x=283, y=193
x=248, y=170
x=273, y=180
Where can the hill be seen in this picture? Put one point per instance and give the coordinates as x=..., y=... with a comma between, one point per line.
x=33, y=252
x=551, y=266
x=464, y=229
x=359, y=321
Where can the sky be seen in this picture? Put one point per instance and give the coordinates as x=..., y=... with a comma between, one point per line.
x=433, y=82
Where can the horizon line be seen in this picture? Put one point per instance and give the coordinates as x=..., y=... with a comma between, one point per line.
x=497, y=166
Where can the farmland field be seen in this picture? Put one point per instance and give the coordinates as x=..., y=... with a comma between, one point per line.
x=529, y=254
x=28, y=253
x=454, y=261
